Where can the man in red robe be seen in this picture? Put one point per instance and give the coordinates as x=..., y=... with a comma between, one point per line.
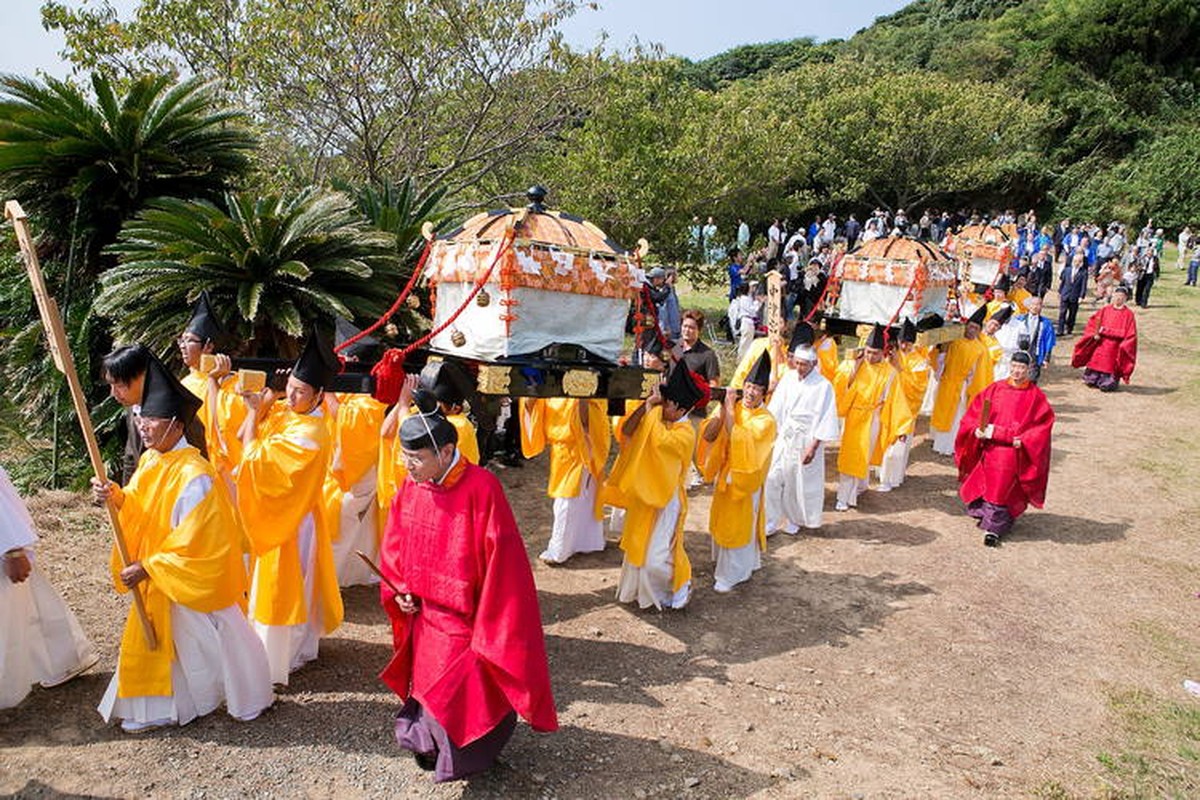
x=1003, y=452
x=1108, y=348
x=467, y=632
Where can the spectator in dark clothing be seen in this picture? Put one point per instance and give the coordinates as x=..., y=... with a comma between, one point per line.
x=1072, y=287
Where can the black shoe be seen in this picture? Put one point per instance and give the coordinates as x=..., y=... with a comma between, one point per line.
x=426, y=761
x=991, y=540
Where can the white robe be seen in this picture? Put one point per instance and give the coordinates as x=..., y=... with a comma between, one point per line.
x=735, y=565
x=40, y=638
x=576, y=529
x=804, y=410
x=357, y=526
x=650, y=585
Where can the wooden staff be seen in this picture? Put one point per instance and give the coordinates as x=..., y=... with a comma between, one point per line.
x=371, y=565
x=60, y=351
x=985, y=412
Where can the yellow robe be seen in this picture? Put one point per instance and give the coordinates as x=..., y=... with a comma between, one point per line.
x=652, y=468
x=197, y=564
x=1018, y=297
x=355, y=438
x=827, y=357
x=222, y=423
x=279, y=482
x=914, y=377
x=779, y=362
x=555, y=422
x=737, y=462
x=876, y=387
x=967, y=361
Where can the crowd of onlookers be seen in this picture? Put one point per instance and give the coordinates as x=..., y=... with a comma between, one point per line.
x=1079, y=259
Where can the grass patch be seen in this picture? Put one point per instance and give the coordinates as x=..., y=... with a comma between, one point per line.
x=1161, y=755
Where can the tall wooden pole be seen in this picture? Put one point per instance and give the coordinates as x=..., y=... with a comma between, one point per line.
x=60, y=351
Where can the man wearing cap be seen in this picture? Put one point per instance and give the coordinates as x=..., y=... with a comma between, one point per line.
x=1000, y=297
x=124, y=370
x=1108, y=348
x=577, y=433
x=469, y=654
x=182, y=534
x=222, y=411
x=912, y=364
x=42, y=640
x=735, y=454
x=648, y=481
x=349, y=501
x=876, y=414
x=1003, y=451
x=805, y=412
x=294, y=597
x=964, y=368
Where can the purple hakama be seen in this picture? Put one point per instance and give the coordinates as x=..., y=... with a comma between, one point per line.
x=418, y=731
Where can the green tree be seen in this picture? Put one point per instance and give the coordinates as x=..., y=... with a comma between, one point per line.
x=81, y=165
x=274, y=264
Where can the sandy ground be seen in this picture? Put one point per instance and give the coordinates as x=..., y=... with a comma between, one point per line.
x=889, y=655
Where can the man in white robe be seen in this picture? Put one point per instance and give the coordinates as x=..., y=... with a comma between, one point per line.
x=40, y=639
x=805, y=412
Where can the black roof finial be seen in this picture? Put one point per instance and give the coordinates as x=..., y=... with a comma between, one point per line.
x=536, y=194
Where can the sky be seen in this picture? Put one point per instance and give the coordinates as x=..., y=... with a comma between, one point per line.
x=695, y=29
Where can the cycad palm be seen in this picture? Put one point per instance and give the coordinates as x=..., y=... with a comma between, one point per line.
x=271, y=264
x=62, y=152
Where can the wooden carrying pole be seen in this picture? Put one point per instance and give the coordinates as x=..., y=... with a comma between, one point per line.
x=60, y=351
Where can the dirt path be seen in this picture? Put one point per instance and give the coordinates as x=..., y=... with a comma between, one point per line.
x=892, y=655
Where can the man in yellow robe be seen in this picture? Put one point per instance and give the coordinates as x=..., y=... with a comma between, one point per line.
x=876, y=414
x=183, y=538
x=577, y=432
x=964, y=369
x=648, y=481
x=777, y=355
x=222, y=411
x=294, y=597
x=913, y=365
x=735, y=455
x=350, y=487
x=1000, y=334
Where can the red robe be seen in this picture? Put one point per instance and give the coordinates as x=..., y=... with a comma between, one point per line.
x=992, y=469
x=474, y=651
x=1115, y=352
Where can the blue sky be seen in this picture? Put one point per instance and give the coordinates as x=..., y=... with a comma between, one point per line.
x=692, y=28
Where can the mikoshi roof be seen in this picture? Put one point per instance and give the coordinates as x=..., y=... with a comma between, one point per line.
x=901, y=248
x=988, y=234
x=543, y=226
x=892, y=260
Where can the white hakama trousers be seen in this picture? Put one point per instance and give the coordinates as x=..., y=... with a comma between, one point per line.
x=218, y=659
x=358, y=527
x=576, y=529
x=735, y=565
x=894, y=468
x=290, y=647
x=795, y=492
x=650, y=585
x=943, y=441
x=40, y=638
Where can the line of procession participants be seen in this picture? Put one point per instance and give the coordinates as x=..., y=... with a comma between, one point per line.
x=302, y=479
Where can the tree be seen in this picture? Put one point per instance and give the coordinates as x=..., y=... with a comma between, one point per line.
x=276, y=263
x=441, y=91
x=82, y=165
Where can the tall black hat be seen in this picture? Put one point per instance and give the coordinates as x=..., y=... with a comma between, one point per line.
x=979, y=316
x=761, y=373
x=876, y=340
x=164, y=397
x=685, y=388
x=362, y=349
x=1022, y=357
x=802, y=335
x=318, y=364
x=1004, y=283
x=448, y=382
x=204, y=320
x=428, y=428
x=1003, y=313
x=908, y=331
